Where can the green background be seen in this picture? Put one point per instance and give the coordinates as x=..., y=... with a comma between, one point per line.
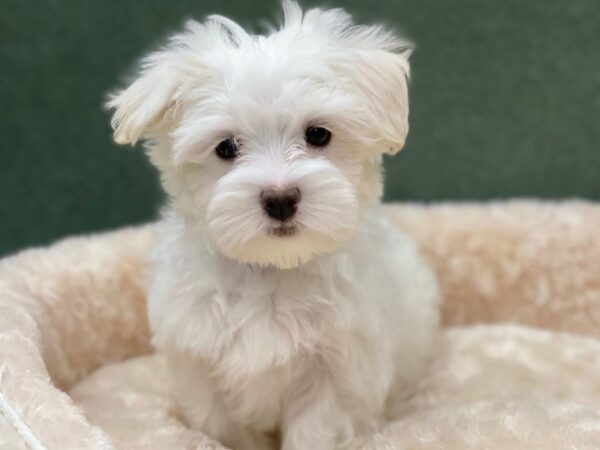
x=505, y=103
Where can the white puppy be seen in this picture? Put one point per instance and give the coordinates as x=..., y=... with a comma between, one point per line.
x=284, y=300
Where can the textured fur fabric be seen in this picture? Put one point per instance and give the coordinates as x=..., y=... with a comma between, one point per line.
x=491, y=387
x=536, y=263
x=79, y=305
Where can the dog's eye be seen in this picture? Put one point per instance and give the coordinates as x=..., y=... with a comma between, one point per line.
x=227, y=149
x=317, y=136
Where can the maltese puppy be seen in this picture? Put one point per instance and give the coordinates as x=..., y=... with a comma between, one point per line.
x=288, y=307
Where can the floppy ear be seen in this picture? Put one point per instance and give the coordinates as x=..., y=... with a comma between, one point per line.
x=141, y=107
x=381, y=76
x=144, y=107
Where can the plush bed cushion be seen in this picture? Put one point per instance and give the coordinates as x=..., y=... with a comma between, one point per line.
x=79, y=305
x=490, y=387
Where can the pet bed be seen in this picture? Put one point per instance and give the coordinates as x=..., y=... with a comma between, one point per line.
x=77, y=372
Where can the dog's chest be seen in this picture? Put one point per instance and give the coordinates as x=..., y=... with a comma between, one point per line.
x=271, y=330
x=268, y=320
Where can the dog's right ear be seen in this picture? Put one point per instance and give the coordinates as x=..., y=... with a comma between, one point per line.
x=147, y=104
x=142, y=107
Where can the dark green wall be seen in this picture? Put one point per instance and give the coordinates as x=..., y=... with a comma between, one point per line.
x=505, y=103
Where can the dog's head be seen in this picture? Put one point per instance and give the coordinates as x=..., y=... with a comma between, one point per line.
x=272, y=144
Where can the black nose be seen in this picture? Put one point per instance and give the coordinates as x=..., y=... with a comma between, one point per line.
x=280, y=204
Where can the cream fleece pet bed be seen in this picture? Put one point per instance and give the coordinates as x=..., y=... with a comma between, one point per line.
x=76, y=370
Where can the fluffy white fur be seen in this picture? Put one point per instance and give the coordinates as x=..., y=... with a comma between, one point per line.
x=303, y=335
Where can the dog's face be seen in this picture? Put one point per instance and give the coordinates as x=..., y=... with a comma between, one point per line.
x=271, y=144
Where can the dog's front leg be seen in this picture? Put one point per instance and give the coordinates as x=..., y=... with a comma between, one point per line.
x=315, y=419
x=202, y=408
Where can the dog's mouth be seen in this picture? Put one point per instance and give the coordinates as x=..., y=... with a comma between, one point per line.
x=283, y=231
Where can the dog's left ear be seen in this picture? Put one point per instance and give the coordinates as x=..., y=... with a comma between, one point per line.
x=381, y=77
